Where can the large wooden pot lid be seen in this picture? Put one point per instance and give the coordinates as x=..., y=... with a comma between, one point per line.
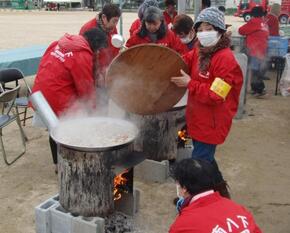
x=138, y=79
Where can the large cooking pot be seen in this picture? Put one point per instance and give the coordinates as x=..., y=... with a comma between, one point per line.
x=138, y=79
x=94, y=133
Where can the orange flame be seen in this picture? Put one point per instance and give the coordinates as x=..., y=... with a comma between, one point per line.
x=182, y=134
x=119, y=181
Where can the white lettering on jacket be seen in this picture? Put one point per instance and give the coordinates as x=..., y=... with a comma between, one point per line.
x=59, y=55
x=240, y=222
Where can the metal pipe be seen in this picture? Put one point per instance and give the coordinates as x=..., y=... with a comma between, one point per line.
x=44, y=110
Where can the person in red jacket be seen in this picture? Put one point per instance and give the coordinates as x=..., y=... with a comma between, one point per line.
x=65, y=73
x=183, y=28
x=154, y=30
x=214, y=83
x=256, y=32
x=201, y=210
x=170, y=12
x=107, y=21
x=272, y=19
x=136, y=25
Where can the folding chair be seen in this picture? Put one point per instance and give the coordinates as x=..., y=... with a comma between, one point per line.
x=13, y=75
x=9, y=115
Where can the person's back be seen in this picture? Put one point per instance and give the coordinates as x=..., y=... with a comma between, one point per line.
x=272, y=20
x=213, y=214
x=65, y=72
x=201, y=210
x=256, y=32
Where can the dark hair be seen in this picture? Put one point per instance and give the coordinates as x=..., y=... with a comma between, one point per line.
x=222, y=9
x=205, y=4
x=170, y=2
x=182, y=24
x=110, y=11
x=161, y=32
x=96, y=38
x=195, y=175
x=257, y=12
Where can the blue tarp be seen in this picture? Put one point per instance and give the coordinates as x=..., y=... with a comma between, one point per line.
x=26, y=59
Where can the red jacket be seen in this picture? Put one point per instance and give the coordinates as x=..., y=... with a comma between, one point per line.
x=65, y=73
x=214, y=214
x=106, y=55
x=136, y=25
x=208, y=116
x=256, y=32
x=273, y=24
x=170, y=40
x=167, y=18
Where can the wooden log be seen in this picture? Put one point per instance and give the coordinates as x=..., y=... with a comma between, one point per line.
x=158, y=133
x=86, y=181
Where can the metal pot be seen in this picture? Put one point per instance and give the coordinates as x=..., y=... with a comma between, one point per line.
x=77, y=128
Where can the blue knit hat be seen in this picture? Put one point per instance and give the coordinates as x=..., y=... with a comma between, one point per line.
x=213, y=16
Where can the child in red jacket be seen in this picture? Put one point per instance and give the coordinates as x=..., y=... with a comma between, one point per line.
x=256, y=32
x=214, y=85
x=136, y=25
x=202, y=210
x=154, y=30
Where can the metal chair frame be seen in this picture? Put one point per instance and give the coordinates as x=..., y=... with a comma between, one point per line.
x=7, y=99
x=13, y=75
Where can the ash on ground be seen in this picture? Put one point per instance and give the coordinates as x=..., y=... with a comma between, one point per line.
x=120, y=223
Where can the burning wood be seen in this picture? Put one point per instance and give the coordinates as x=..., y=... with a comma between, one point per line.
x=120, y=185
x=182, y=134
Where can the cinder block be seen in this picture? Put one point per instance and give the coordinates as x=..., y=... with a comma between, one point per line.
x=152, y=171
x=61, y=220
x=43, y=217
x=84, y=225
x=184, y=153
x=52, y=218
x=100, y=224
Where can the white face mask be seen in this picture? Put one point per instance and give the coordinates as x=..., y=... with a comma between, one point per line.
x=186, y=40
x=208, y=38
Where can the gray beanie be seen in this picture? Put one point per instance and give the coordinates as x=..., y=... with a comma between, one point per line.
x=213, y=16
x=144, y=6
x=152, y=13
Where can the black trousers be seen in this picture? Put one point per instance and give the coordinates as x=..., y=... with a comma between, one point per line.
x=53, y=148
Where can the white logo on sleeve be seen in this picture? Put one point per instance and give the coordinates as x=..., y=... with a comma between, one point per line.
x=59, y=55
x=240, y=223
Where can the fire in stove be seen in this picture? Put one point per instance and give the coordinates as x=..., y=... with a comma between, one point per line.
x=121, y=185
x=183, y=140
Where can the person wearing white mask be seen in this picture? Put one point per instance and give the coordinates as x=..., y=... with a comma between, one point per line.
x=183, y=28
x=203, y=210
x=214, y=83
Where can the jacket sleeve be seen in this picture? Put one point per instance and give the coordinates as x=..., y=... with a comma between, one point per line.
x=82, y=73
x=176, y=44
x=247, y=28
x=133, y=40
x=225, y=68
x=188, y=57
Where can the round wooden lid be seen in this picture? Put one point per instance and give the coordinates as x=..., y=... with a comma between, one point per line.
x=138, y=79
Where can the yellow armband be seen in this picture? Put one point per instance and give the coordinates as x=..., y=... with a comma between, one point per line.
x=220, y=87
